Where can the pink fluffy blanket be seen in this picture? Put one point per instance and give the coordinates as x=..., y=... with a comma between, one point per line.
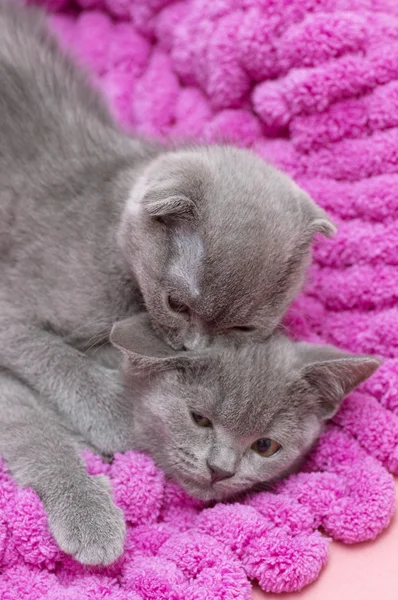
x=312, y=85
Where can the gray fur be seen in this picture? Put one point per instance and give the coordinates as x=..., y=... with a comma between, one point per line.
x=96, y=226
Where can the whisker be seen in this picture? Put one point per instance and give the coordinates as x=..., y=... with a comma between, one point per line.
x=100, y=346
x=234, y=496
x=101, y=332
x=283, y=327
x=177, y=465
x=96, y=322
x=186, y=452
x=263, y=487
x=187, y=462
x=99, y=339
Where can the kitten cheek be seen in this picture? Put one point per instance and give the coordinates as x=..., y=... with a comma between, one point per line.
x=173, y=336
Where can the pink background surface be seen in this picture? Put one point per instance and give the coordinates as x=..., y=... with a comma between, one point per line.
x=360, y=572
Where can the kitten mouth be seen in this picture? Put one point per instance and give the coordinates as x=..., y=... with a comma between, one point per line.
x=177, y=346
x=207, y=492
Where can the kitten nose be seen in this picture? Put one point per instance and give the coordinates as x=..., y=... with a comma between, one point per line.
x=218, y=474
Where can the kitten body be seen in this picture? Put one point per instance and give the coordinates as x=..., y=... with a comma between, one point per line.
x=96, y=225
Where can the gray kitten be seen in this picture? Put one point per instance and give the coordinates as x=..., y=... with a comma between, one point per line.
x=229, y=418
x=96, y=225
x=219, y=421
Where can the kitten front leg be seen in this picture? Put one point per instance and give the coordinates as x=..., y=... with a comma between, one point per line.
x=86, y=523
x=41, y=454
x=87, y=394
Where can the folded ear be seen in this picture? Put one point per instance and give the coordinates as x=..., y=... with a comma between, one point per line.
x=162, y=203
x=323, y=225
x=319, y=220
x=333, y=374
x=144, y=349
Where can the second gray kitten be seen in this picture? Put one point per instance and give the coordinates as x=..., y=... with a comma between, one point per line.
x=225, y=419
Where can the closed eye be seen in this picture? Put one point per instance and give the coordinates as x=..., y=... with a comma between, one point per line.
x=200, y=420
x=176, y=306
x=225, y=329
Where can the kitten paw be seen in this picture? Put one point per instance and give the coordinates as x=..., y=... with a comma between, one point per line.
x=89, y=526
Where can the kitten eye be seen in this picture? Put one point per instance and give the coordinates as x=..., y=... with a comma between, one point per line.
x=266, y=447
x=177, y=306
x=243, y=328
x=201, y=421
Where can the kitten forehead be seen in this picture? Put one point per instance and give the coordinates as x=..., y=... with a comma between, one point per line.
x=255, y=400
x=187, y=264
x=250, y=389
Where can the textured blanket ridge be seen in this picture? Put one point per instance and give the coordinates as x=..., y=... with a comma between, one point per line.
x=311, y=85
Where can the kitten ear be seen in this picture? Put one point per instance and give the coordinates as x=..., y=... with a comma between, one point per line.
x=324, y=226
x=158, y=203
x=320, y=221
x=334, y=374
x=143, y=348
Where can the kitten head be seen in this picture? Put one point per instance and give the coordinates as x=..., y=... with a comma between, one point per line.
x=218, y=241
x=228, y=419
